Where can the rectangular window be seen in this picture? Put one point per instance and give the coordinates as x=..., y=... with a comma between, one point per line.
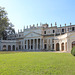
x=72, y=28
x=19, y=35
x=45, y=46
x=53, y=31
x=62, y=30
x=25, y=46
x=19, y=46
x=44, y=32
x=52, y=46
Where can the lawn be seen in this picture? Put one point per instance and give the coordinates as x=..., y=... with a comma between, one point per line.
x=36, y=63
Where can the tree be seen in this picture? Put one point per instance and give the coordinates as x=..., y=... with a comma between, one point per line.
x=73, y=51
x=6, y=28
x=4, y=35
x=8, y=31
x=4, y=22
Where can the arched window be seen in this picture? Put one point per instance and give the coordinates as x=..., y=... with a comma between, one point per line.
x=13, y=47
x=9, y=48
x=4, y=47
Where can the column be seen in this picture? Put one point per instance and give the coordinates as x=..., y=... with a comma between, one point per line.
x=43, y=43
x=60, y=46
x=24, y=44
x=67, y=45
x=15, y=47
x=33, y=44
x=7, y=47
x=27, y=44
x=47, y=43
x=64, y=47
x=37, y=44
x=21, y=45
x=1, y=47
x=70, y=46
x=18, y=46
x=30, y=43
x=40, y=44
x=51, y=43
x=11, y=47
x=55, y=46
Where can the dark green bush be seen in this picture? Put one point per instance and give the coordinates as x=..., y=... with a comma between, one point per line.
x=73, y=51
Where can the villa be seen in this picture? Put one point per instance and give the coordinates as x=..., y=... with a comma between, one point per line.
x=41, y=37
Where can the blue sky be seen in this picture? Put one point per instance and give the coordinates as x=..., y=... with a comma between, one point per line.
x=28, y=12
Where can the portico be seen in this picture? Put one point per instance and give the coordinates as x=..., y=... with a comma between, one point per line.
x=33, y=44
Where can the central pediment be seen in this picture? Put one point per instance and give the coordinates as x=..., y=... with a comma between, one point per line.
x=32, y=34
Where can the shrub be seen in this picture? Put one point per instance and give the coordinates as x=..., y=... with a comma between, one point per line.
x=73, y=51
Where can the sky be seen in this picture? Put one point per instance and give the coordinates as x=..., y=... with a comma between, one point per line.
x=28, y=12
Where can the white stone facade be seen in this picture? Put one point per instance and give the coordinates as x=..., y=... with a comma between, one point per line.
x=41, y=38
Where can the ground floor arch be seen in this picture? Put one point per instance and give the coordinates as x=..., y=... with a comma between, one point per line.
x=9, y=47
x=13, y=47
x=62, y=46
x=4, y=47
x=57, y=47
x=73, y=44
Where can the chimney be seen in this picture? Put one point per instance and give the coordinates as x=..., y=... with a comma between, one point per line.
x=65, y=24
x=65, y=27
x=18, y=30
x=51, y=24
x=37, y=24
x=33, y=25
x=70, y=27
x=30, y=26
x=55, y=24
x=60, y=25
x=24, y=28
x=27, y=27
x=70, y=23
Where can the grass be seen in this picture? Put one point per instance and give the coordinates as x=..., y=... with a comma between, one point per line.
x=36, y=63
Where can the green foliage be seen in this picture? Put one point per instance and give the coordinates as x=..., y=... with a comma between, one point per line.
x=4, y=23
x=73, y=51
x=36, y=63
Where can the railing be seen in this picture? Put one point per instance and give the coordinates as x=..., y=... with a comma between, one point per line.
x=8, y=41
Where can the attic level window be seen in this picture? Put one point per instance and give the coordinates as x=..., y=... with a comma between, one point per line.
x=44, y=32
x=53, y=31
x=62, y=30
